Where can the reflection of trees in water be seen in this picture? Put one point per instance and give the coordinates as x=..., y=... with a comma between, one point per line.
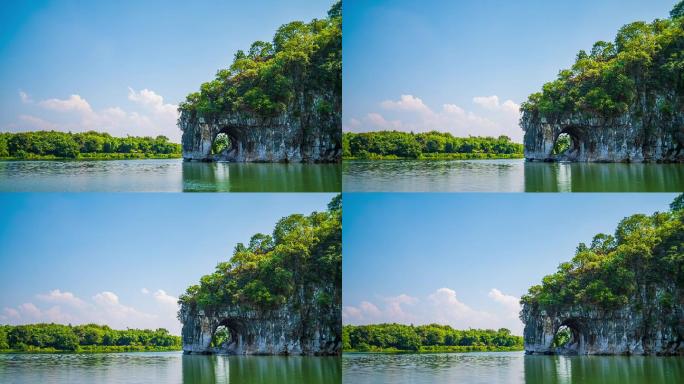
x=603, y=369
x=201, y=369
x=261, y=177
x=599, y=177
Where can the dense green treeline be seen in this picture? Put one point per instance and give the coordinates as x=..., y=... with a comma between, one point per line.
x=86, y=145
x=426, y=338
x=83, y=338
x=302, y=58
x=610, y=78
x=303, y=251
x=645, y=252
x=430, y=145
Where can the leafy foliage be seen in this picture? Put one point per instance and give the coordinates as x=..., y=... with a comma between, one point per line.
x=58, y=337
x=400, y=337
x=645, y=251
x=562, y=144
x=303, y=251
x=301, y=58
x=608, y=79
x=81, y=145
x=388, y=144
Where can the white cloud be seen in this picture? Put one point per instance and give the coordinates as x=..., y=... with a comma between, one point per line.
x=149, y=115
x=162, y=297
x=489, y=102
x=73, y=103
x=58, y=297
x=509, y=302
x=441, y=306
x=103, y=308
x=9, y=313
x=29, y=310
x=25, y=98
x=145, y=291
x=410, y=113
x=33, y=122
x=407, y=103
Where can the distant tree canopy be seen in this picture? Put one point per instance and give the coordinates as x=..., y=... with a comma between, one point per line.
x=73, y=338
x=72, y=145
x=414, y=338
x=607, y=80
x=645, y=251
x=410, y=145
x=302, y=57
x=303, y=251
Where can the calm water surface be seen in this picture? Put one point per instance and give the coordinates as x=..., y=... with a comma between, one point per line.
x=166, y=368
x=510, y=368
x=515, y=175
x=166, y=175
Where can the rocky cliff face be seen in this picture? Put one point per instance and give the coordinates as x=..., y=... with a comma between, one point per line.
x=644, y=134
x=303, y=133
x=300, y=327
x=652, y=324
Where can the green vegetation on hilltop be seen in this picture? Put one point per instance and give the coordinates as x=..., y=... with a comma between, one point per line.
x=606, y=81
x=645, y=252
x=84, y=338
x=426, y=338
x=431, y=145
x=302, y=252
x=48, y=145
x=302, y=58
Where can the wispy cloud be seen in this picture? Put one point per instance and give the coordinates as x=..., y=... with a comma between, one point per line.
x=441, y=306
x=153, y=116
x=490, y=117
x=103, y=308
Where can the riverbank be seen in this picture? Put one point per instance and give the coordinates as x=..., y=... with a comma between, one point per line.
x=95, y=349
x=95, y=156
x=440, y=156
x=441, y=349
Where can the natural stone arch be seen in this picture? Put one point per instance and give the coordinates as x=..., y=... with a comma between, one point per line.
x=576, y=144
x=253, y=332
x=575, y=345
x=229, y=345
x=283, y=138
x=623, y=138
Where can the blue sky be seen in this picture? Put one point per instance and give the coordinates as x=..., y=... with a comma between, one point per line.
x=74, y=61
x=123, y=259
x=442, y=55
x=465, y=259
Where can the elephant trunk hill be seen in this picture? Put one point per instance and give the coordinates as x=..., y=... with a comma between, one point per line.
x=279, y=295
x=620, y=102
x=622, y=294
x=279, y=102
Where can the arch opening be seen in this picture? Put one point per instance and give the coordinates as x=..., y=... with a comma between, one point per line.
x=224, y=339
x=567, y=339
x=566, y=146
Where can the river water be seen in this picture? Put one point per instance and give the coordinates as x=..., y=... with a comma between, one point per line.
x=166, y=175
x=509, y=368
x=165, y=368
x=515, y=175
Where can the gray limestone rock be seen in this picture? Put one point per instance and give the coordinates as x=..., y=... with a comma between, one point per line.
x=643, y=327
x=643, y=134
x=300, y=134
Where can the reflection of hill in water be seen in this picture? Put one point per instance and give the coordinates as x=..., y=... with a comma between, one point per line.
x=603, y=369
x=210, y=369
x=261, y=177
x=596, y=177
x=508, y=176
